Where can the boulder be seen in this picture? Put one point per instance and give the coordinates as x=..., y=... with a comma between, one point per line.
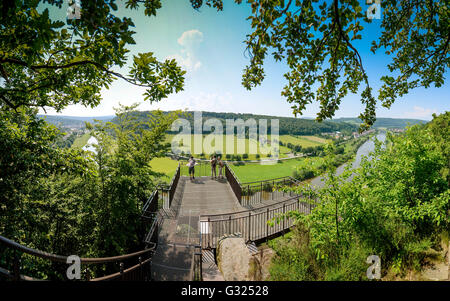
x=233, y=259
x=236, y=263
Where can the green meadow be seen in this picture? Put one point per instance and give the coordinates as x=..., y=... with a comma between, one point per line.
x=247, y=172
x=241, y=145
x=165, y=166
x=256, y=172
x=304, y=141
x=81, y=141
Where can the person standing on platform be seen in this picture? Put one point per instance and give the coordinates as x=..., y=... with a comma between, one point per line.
x=213, y=167
x=221, y=165
x=191, y=165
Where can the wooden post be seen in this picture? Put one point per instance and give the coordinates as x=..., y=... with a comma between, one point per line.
x=267, y=224
x=284, y=217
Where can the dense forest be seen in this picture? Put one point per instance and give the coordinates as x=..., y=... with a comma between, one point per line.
x=68, y=201
x=288, y=125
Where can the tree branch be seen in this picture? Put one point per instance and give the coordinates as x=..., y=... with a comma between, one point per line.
x=36, y=68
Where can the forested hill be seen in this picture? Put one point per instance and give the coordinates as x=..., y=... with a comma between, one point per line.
x=288, y=125
x=72, y=121
x=383, y=122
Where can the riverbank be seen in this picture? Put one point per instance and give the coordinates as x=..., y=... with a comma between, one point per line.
x=363, y=151
x=305, y=168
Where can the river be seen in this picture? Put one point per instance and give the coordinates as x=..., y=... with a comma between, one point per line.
x=363, y=150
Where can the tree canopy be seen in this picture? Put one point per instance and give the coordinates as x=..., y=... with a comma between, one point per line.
x=316, y=39
x=47, y=63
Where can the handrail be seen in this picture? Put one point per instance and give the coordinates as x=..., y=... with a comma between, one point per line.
x=119, y=274
x=61, y=258
x=152, y=229
x=234, y=182
x=149, y=201
x=268, y=180
x=234, y=175
x=252, y=210
x=250, y=193
x=253, y=224
x=175, y=175
x=10, y=275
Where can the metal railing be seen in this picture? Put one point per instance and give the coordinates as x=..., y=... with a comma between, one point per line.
x=253, y=225
x=150, y=218
x=234, y=182
x=152, y=203
x=201, y=169
x=167, y=192
x=139, y=271
x=196, y=273
x=173, y=184
x=254, y=193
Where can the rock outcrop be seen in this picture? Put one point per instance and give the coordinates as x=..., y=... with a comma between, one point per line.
x=237, y=263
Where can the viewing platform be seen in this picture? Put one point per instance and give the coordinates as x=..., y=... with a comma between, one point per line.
x=201, y=211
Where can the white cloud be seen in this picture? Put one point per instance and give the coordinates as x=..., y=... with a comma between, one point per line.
x=421, y=113
x=189, y=40
x=188, y=62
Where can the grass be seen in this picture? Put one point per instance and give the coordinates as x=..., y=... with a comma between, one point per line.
x=250, y=172
x=317, y=139
x=246, y=173
x=216, y=148
x=166, y=166
x=304, y=141
x=256, y=172
x=80, y=142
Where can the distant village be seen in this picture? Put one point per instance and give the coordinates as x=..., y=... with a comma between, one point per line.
x=340, y=135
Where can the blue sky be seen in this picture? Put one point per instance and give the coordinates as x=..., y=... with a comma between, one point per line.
x=209, y=46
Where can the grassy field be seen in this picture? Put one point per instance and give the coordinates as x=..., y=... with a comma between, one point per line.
x=80, y=142
x=240, y=146
x=254, y=171
x=304, y=141
x=166, y=166
x=257, y=172
x=246, y=173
